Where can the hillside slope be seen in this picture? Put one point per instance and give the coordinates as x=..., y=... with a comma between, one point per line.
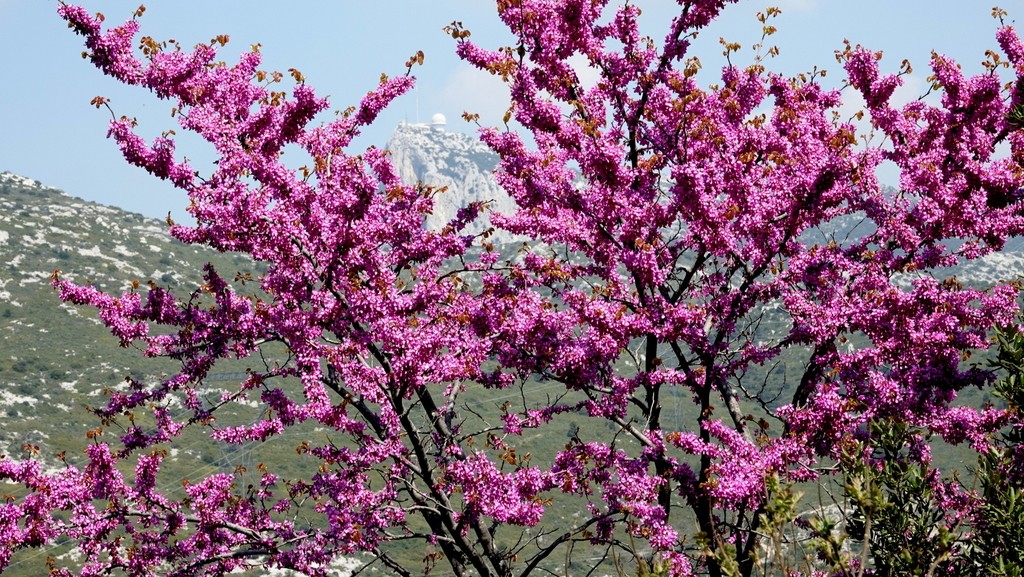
x=55, y=358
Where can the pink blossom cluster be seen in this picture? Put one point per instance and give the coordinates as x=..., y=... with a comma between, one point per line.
x=676, y=254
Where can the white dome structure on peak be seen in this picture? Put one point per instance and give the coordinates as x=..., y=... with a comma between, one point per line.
x=438, y=121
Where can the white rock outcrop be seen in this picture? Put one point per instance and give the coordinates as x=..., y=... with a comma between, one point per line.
x=438, y=157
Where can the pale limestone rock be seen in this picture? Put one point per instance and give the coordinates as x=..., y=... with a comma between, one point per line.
x=438, y=157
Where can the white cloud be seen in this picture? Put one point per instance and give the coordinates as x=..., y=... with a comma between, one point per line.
x=471, y=90
x=588, y=76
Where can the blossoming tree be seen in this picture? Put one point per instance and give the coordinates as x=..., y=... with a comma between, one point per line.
x=683, y=239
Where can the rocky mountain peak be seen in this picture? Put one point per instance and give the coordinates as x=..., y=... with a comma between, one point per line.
x=430, y=154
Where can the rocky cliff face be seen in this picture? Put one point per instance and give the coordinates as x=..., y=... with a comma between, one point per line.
x=438, y=157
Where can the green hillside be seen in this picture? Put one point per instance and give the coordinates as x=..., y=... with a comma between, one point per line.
x=56, y=356
x=56, y=359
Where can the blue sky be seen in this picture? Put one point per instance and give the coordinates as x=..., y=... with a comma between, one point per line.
x=49, y=132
